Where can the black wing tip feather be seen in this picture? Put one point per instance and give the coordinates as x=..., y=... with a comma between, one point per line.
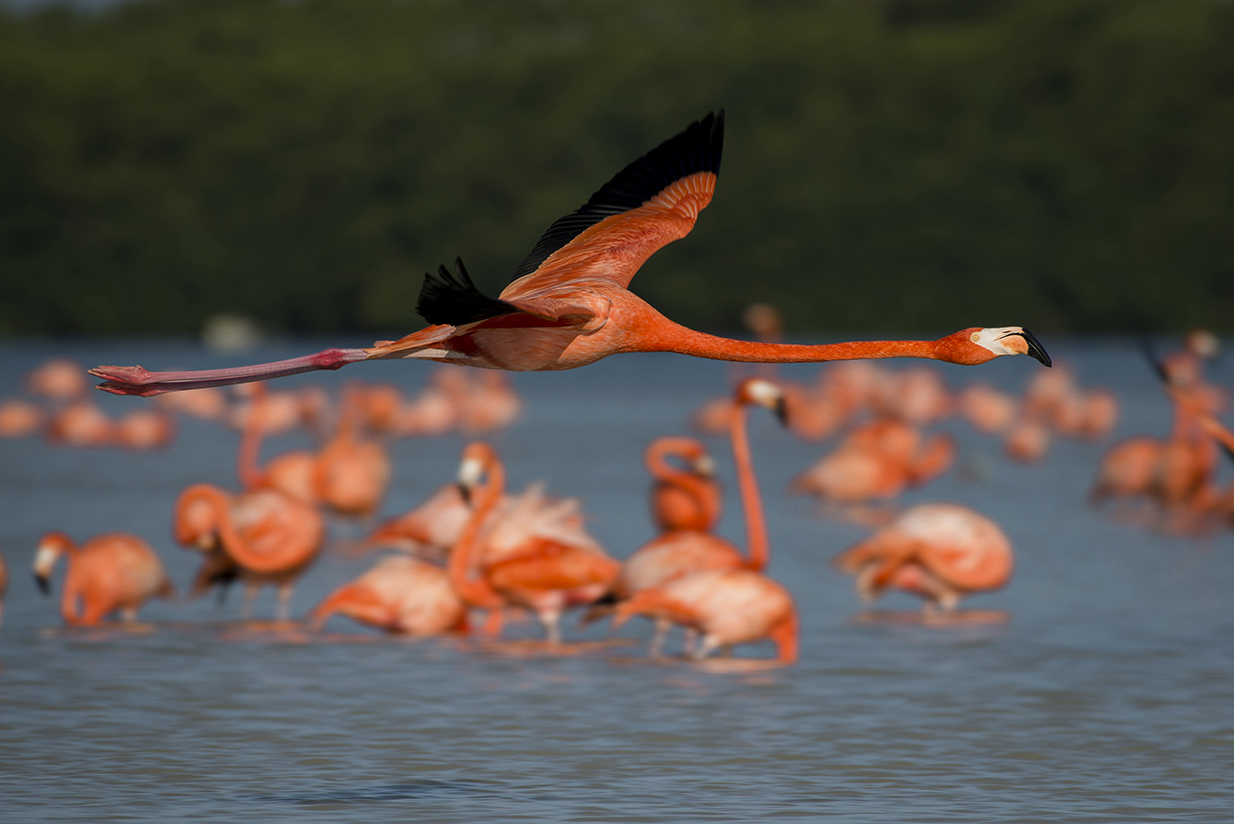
x=454, y=300
x=696, y=149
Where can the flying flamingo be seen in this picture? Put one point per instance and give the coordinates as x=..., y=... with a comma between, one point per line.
x=399, y=594
x=535, y=556
x=568, y=304
x=941, y=552
x=681, y=552
x=110, y=572
x=683, y=498
x=263, y=537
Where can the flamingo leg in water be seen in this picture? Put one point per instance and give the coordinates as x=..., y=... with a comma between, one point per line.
x=250, y=595
x=284, y=607
x=663, y=625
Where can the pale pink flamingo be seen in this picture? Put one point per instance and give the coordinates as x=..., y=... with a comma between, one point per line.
x=568, y=304
x=725, y=607
x=941, y=552
x=682, y=552
x=399, y=594
x=264, y=537
x=108, y=573
x=987, y=409
x=534, y=557
x=429, y=530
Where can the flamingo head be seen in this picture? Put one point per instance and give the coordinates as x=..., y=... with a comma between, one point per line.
x=978, y=345
x=764, y=393
x=478, y=460
x=51, y=547
x=197, y=516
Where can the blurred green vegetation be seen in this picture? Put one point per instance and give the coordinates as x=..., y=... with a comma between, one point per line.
x=905, y=164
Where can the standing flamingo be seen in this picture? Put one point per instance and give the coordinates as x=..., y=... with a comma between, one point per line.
x=569, y=305
x=941, y=552
x=535, y=556
x=111, y=572
x=430, y=529
x=399, y=594
x=683, y=553
x=263, y=537
x=351, y=472
x=683, y=498
x=291, y=473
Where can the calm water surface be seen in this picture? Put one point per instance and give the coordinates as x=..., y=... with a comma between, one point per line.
x=1107, y=695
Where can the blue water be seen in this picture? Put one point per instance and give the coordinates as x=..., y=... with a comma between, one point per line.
x=1106, y=696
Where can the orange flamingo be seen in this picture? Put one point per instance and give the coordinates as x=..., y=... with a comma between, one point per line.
x=688, y=498
x=144, y=429
x=569, y=305
x=111, y=572
x=941, y=552
x=534, y=556
x=682, y=552
x=725, y=606
x=351, y=473
x=263, y=537
x=20, y=418
x=399, y=594
x=80, y=424
x=58, y=379
x=291, y=473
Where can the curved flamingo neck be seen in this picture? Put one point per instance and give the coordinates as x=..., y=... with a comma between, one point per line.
x=751, y=501
x=667, y=336
x=247, y=467
x=476, y=591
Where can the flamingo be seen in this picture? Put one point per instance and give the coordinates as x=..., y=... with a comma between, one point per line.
x=941, y=552
x=80, y=423
x=681, y=552
x=144, y=429
x=115, y=571
x=291, y=473
x=535, y=556
x=430, y=529
x=725, y=606
x=19, y=418
x=569, y=306
x=263, y=537
x=688, y=498
x=58, y=379
x=351, y=473
x=399, y=594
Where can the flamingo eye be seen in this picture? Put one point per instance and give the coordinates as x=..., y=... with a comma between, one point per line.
x=975, y=337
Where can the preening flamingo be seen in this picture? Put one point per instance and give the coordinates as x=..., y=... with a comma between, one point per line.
x=399, y=594
x=111, y=572
x=430, y=529
x=534, y=556
x=263, y=537
x=725, y=606
x=686, y=497
x=568, y=304
x=681, y=552
x=941, y=552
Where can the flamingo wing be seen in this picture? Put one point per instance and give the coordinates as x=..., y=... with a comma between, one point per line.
x=651, y=202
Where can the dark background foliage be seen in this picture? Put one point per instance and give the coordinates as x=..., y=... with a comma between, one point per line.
x=904, y=164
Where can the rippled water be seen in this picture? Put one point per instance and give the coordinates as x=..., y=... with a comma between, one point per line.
x=1106, y=696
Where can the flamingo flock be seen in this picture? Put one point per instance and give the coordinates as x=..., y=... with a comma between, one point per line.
x=478, y=555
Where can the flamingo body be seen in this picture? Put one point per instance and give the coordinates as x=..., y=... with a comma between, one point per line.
x=399, y=594
x=108, y=573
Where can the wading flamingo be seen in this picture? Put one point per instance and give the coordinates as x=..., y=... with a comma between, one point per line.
x=19, y=418
x=941, y=552
x=429, y=530
x=263, y=537
x=534, y=556
x=725, y=606
x=568, y=304
x=351, y=473
x=683, y=498
x=399, y=594
x=683, y=552
x=291, y=473
x=111, y=572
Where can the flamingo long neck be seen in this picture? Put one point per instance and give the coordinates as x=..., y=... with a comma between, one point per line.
x=476, y=591
x=751, y=500
x=247, y=467
x=671, y=337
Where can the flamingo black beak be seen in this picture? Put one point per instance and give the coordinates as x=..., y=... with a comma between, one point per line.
x=465, y=491
x=44, y=584
x=781, y=410
x=1035, y=349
